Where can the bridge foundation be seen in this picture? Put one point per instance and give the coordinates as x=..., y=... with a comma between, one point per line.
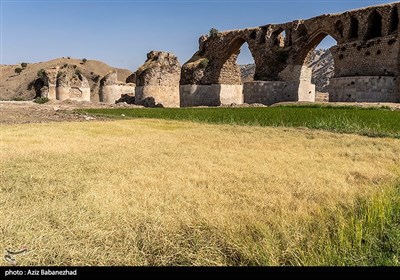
x=364, y=89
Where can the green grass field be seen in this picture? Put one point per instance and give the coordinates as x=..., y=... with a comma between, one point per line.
x=370, y=122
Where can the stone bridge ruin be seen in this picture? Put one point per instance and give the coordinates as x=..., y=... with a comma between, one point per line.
x=366, y=65
x=366, y=60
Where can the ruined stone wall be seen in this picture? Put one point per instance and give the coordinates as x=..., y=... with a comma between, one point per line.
x=379, y=57
x=363, y=89
x=72, y=86
x=210, y=95
x=49, y=78
x=66, y=83
x=111, y=89
x=111, y=93
x=157, y=80
x=270, y=92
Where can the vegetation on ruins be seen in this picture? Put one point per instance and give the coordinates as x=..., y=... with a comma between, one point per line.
x=213, y=32
x=41, y=74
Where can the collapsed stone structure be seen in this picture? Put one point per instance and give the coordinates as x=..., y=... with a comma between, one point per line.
x=65, y=83
x=157, y=80
x=111, y=89
x=366, y=60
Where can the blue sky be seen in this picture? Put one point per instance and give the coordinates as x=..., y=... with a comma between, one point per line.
x=120, y=33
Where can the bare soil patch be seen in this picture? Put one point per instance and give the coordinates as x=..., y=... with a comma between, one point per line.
x=17, y=112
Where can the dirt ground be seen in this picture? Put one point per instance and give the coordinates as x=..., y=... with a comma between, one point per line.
x=17, y=112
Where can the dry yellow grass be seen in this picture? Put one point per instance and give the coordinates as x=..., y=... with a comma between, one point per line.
x=155, y=192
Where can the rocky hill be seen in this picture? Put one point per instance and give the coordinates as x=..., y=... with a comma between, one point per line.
x=321, y=62
x=22, y=86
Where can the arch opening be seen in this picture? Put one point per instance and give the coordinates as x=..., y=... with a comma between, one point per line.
x=246, y=64
x=238, y=65
x=281, y=38
x=354, y=26
x=374, y=29
x=339, y=27
x=394, y=20
x=319, y=58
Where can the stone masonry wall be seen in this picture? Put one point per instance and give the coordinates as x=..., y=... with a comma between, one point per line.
x=157, y=80
x=379, y=57
x=363, y=89
x=111, y=89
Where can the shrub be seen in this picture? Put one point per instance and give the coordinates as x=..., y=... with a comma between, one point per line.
x=65, y=65
x=18, y=70
x=41, y=100
x=68, y=57
x=96, y=78
x=78, y=72
x=18, y=98
x=213, y=32
x=59, y=74
x=204, y=62
x=41, y=74
x=24, y=64
x=84, y=60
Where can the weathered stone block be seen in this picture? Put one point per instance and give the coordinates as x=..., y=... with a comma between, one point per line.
x=363, y=89
x=210, y=95
x=167, y=96
x=270, y=92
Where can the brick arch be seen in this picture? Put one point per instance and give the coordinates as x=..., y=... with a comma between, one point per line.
x=354, y=28
x=311, y=44
x=394, y=20
x=228, y=70
x=374, y=27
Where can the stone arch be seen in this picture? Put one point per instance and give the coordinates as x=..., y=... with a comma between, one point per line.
x=312, y=43
x=354, y=27
x=281, y=38
x=374, y=28
x=229, y=72
x=394, y=20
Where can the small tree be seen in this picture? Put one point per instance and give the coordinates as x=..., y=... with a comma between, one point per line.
x=213, y=32
x=24, y=64
x=18, y=70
